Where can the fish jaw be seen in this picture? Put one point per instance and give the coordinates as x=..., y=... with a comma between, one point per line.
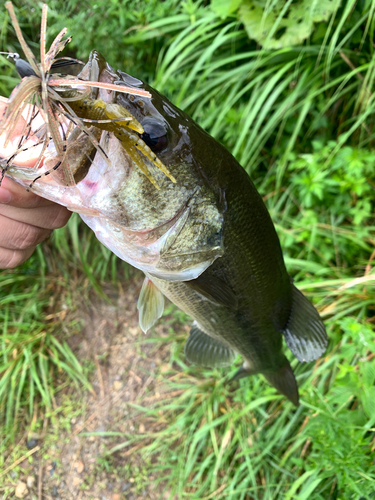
x=107, y=201
x=143, y=251
x=155, y=232
x=176, y=233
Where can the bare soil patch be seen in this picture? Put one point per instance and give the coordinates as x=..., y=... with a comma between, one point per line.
x=77, y=465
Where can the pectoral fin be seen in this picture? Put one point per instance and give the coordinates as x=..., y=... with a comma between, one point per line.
x=150, y=305
x=214, y=289
x=203, y=350
x=305, y=333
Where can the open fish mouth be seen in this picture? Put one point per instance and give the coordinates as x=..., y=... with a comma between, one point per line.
x=147, y=227
x=66, y=104
x=99, y=155
x=66, y=156
x=167, y=198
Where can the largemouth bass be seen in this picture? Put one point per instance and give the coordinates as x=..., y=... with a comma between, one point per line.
x=201, y=234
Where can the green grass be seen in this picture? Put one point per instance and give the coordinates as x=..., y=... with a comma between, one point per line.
x=300, y=120
x=258, y=102
x=241, y=440
x=35, y=357
x=37, y=316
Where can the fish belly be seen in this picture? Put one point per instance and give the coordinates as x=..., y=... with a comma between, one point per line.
x=259, y=343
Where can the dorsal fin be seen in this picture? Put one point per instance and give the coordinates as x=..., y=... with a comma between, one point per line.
x=305, y=333
x=150, y=305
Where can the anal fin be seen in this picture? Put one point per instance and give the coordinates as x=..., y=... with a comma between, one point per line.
x=244, y=371
x=305, y=333
x=203, y=350
x=150, y=305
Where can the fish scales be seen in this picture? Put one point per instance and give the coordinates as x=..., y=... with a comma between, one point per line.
x=251, y=248
x=203, y=237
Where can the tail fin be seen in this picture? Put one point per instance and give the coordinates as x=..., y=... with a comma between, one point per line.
x=284, y=381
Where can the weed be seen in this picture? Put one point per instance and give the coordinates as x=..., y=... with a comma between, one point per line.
x=300, y=120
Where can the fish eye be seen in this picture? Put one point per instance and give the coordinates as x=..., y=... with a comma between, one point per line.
x=155, y=134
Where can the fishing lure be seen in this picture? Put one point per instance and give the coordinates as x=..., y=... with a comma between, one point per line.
x=54, y=97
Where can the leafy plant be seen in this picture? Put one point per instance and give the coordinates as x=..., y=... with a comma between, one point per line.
x=245, y=442
x=278, y=24
x=328, y=205
x=300, y=119
x=32, y=358
x=339, y=182
x=104, y=26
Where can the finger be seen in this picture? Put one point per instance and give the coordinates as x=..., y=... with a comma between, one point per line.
x=3, y=104
x=37, y=121
x=15, y=195
x=51, y=217
x=9, y=259
x=16, y=235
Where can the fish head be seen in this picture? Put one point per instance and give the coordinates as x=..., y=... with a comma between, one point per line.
x=171, y=227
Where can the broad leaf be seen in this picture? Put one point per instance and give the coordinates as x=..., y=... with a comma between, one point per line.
x=276, y=25
x=225, y=7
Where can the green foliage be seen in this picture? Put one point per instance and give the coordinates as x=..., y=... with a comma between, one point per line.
x=277, y=24
x=104, y=26
x=326, y=213
x=246, y=442
x=338, y=182
x=300, y=119
x=32, y=358
x=224, y=8
x=356, y=381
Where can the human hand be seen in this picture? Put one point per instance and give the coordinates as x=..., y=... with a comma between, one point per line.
x=25, y=218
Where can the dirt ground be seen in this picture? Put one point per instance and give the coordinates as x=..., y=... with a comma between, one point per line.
x=75, y=466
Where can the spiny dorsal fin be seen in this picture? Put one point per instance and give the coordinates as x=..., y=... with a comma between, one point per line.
x=305, y=333
x=203, y=350
x=150, y=305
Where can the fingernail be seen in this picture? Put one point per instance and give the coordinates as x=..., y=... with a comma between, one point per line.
x=5, y=195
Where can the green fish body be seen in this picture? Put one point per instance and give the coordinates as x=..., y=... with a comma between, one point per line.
x=205, y=241
x=244, y=302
